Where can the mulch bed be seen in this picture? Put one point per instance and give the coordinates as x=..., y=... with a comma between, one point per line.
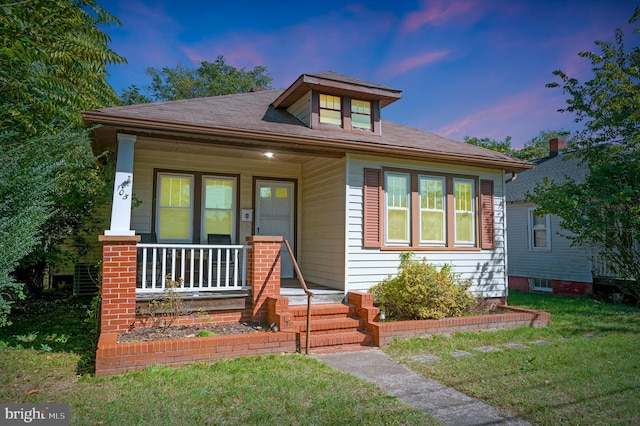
x=143, y=334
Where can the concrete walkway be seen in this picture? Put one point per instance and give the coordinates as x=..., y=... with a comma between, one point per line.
x=444, y=404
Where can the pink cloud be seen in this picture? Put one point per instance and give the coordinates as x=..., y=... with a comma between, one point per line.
x=436, y=12
x=523, y=112
x=412, y=62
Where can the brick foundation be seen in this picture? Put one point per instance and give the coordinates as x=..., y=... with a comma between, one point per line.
x=562, y=287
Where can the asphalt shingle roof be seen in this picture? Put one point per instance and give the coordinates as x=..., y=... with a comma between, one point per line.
x=253, y=112
x=558, y=169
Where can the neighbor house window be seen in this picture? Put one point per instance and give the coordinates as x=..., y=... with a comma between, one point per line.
x=180, y=219
x=361, y=114
x=330, y=110
x=429, y=210
x=541, y=284
x=539, y=236
x=175, y=207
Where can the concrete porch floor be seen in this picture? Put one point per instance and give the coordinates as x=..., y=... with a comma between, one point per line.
x=291, y=289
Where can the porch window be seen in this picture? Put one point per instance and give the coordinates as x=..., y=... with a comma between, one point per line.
x=175, y=203
x=465, y=211
x=330, y=110
x=218, y=206
x=432, y=210
x=361, y=114
x=398, y=204
x=190, y=206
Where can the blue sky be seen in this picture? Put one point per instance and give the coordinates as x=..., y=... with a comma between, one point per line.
x=466, y=67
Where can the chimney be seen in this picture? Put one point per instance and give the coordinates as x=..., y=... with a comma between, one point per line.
x=555, y=145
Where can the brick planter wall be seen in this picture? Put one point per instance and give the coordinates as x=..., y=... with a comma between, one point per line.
x=385, y=332
x=118, y=358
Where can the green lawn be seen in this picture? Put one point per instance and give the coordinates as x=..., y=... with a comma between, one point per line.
x=591, y=379
x=46, y=353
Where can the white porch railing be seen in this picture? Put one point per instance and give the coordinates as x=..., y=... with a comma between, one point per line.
x=201, y=267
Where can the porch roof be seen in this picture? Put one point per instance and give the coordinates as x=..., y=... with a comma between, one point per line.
x=250, y=120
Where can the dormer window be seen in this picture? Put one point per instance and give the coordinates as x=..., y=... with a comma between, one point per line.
x=330, y=110
x=361, y=115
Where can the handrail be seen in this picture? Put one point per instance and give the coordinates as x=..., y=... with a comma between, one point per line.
x=306, y=290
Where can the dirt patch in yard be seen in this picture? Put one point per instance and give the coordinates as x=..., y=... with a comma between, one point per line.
x=143, y=334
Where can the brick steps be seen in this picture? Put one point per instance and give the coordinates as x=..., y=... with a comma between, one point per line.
x=332, y=325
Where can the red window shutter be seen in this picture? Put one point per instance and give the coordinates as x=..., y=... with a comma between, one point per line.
x=487, y=215
x=372, y=229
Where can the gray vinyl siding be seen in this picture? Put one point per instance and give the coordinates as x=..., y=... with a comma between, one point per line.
x=323, y=229
x=301, y=109
x=562, y=262
x=365, y=267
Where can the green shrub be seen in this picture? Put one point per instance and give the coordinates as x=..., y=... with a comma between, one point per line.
x=421, y=291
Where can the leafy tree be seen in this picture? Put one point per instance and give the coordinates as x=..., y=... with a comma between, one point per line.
x=492, y=144
x=209, y=79
x=604, y=210
x=53, y=58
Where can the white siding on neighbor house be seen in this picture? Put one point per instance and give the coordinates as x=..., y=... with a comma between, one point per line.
x=366, y=267
x=201, y=159
x=562, y=262
x=301, y=109
x=323, y=229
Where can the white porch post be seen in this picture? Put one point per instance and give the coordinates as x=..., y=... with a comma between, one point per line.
x=122, y=188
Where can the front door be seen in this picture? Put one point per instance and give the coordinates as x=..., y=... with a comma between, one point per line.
x=275, y=202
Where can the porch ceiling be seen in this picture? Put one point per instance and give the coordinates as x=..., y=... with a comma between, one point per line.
x=104, y=137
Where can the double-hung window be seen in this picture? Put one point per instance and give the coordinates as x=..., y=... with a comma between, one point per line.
x=398, y=208
x=539, y=225
x=189, y=206
x=361, y=115
x=218, y=206
x=175, y=208
x=330, y=110
x=465, y=217
x=424, y=210
x=433, y=203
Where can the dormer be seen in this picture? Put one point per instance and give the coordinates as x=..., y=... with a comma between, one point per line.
x=333, y=101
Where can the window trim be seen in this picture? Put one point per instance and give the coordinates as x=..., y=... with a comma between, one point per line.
x=414, y=236
x=474, y=213
x=196, y=218
x=530, y=230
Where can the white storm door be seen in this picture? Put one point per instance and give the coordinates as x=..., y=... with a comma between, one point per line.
x=275, y=216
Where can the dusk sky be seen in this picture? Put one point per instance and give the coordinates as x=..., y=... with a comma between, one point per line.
x=465, y=67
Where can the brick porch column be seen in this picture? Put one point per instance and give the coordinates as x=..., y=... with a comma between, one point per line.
x=118, y=283
x=263, y=273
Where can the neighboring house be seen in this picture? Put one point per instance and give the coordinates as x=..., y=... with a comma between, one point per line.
x=540, y=256
x=316, y=164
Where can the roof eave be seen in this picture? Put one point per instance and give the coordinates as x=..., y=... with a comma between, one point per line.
x=150, y=126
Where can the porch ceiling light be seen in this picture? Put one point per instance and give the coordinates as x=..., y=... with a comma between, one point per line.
x=269, y=154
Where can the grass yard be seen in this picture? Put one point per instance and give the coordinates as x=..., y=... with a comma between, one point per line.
x=593, y=378
x=46, y=353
